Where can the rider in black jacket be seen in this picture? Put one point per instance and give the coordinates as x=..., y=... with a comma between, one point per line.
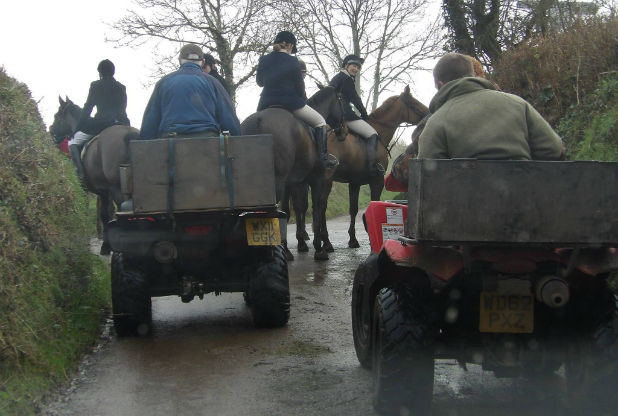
x=110, y=98
x=210, y=67
x=344, y=82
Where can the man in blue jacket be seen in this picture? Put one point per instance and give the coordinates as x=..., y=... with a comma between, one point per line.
x=188, y=102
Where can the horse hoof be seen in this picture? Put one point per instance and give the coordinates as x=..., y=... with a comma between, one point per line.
x=320, y=255
x=288, y=255
x=353, y=244
x=302, y=247
x=105, y=250
x=328, y=247
x=305, y=236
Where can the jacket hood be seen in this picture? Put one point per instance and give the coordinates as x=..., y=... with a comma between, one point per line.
x=458, y=87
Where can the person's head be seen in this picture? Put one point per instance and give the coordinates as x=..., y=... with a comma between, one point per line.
x=303, y=67
x=450, y=67
x=352, y=64
x=106, y=68
x=209, y=63
x=191, y=53
x=285, y=42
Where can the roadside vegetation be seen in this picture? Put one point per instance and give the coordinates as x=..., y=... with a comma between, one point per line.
x=53, y=292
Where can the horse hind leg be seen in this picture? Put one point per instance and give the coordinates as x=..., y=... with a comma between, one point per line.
x=299, y=199
x=353, y=191
x=285, y=207
x=104, y=214
x=327, y=245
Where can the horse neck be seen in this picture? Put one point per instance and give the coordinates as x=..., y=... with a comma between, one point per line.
x=386, y=125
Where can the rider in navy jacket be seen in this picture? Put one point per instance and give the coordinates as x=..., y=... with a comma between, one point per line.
x=280, y=74
x=188, y=101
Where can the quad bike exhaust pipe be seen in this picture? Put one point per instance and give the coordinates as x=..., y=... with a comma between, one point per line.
x=552, y=291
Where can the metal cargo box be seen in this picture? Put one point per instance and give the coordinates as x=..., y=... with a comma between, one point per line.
x=516, y=202
x=202, y=173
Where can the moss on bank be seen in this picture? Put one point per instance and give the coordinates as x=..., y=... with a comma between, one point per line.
x=52, y=290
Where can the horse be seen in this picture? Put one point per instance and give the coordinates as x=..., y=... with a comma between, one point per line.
x=352, y=155
x=296, y=158
x=101, y=158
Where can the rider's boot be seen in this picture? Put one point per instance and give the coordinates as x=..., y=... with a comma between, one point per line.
x=373, y=166
x=320, y=140
x=75, y=151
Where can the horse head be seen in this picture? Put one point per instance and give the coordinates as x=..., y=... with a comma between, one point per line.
x=415, y=111
x=65, y=119
x=329, y=103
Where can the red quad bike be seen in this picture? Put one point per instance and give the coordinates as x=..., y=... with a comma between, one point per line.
x=505, y=264
x=199, y=217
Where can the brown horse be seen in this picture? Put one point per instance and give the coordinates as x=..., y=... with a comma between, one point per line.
x=352, y=155
x=296, y=158
x=101, y=158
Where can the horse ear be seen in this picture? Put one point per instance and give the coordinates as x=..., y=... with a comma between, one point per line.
x=67, y=99
x=319, y=84
x=60, y=100
x=407, y=89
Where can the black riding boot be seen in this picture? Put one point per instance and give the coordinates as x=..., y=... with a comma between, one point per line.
x=76, y=155
x=320, y=140
x=373, y=166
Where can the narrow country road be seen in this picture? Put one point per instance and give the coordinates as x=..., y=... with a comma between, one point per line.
x=206, y=358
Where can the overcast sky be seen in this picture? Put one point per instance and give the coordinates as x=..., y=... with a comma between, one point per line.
x=54, y=47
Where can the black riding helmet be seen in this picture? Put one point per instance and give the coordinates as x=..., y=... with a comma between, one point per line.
x=285, y=36
x=106, y=68
x=352, y=59
x=209, y=59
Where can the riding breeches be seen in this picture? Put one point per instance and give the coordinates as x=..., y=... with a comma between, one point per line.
x=362, y=128
x=310, y=116
x=80, y=138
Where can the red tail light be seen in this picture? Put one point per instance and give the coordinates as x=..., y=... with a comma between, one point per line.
x=198, y=229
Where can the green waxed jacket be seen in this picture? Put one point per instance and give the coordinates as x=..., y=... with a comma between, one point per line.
x=470, y=119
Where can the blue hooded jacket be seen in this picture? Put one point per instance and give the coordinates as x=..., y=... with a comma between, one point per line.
x=188, y=101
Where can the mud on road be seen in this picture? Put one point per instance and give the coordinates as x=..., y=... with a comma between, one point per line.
x=206, y=358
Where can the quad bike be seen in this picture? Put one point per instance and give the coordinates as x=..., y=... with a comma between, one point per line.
x=489, y=265
x=199, y=217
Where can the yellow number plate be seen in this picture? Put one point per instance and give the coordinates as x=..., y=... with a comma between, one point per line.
x=506, y=313
x=263, y=231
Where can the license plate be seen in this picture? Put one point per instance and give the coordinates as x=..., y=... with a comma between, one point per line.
x=506, y=313
x=263, y=231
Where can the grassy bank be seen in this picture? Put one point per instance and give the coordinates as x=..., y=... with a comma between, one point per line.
x=53, y=292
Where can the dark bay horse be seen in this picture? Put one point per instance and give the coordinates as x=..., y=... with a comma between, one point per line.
x=296, y=158
x=101, y=158
x=352, y=154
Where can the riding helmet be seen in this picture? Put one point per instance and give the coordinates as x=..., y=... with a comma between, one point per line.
x=352, y=59
x=209, y=59
x=106, y=68
x=285, y=36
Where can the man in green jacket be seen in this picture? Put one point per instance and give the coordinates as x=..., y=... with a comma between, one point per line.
x=471, y=119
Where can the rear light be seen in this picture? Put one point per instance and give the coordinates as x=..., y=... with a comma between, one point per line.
x=198, y=229
x=149, y=219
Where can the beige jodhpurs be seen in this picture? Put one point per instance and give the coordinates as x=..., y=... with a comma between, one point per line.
x=362, y=128
x=310, y=116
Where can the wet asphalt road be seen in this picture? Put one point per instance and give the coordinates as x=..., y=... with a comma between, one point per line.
x=206, y=358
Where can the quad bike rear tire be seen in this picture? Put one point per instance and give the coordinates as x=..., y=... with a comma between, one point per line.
x=131, y=303
x=268, y=296
x=361, y=310
x=403, y=365
x=591, y=369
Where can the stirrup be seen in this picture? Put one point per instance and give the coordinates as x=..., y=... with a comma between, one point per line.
x=330, y=162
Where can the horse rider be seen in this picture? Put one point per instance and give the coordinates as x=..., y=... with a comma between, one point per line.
x=345, y=83
x=279, y=73
x=110, y=98
x=210, y=67
x=460, y=125
x=189, y=101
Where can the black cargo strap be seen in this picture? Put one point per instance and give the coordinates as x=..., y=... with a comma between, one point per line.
x=171, y=162
x=225, y=164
